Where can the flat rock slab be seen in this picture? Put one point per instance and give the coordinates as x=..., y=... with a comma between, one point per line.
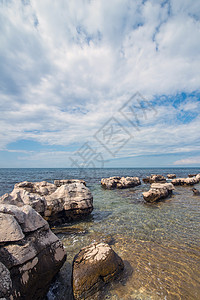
x=93, y=267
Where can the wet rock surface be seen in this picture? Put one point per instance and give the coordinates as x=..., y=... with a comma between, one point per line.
x=30, y=254
x=63, y=201
x=93, y=267
x=158, y=191
x=120, y=182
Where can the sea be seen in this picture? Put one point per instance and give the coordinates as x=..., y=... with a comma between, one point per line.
x=159, y=243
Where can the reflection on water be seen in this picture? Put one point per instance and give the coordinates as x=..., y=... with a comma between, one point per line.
x=158, y=242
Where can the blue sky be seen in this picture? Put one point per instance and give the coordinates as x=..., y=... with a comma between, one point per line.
x=99, y=83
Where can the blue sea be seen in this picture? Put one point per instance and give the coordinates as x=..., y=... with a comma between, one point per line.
x=159, y=243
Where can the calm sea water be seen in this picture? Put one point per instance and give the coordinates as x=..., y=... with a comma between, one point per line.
x=159, y=243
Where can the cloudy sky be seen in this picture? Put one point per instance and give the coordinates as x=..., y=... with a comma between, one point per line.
x=99, y=83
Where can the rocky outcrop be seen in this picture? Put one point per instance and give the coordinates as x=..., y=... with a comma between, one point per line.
x=186, y=181
x=171, y=176
x=93, y=267
x=30, y=254
x=158, y=191
x=120, y=182
x=62, y=201
x=196, y=192
x=154, y=178
x=192, y=175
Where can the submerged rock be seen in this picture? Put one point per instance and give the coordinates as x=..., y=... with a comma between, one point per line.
x=171, y=176
x=187, y=181
x=120, y=182
x=154, y=178
x=196, y=192
x=93, y=267
x=62, y=201
x=158, y=191
x=30, y=254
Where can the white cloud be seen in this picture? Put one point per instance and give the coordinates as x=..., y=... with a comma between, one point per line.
x=188, y=161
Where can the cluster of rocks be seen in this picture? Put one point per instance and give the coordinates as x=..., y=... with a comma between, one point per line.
x=120, y=182
x=30, y=254
x=158, y=191
x=187, y=181
x=58, y=202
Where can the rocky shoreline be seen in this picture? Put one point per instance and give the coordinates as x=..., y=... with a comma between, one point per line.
x=31, y=254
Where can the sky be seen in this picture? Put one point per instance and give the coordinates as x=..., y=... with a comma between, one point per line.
x=99, y=83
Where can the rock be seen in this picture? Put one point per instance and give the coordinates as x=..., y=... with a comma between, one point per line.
x=192, y=175
x=186, y=181
x=5, y=282
x=10, y=229
x=154, y=178
x=157, y=178
x=63, y=201
x=196, y=192
x=158, y=191
x=120, y=182
x=198, y=177
x=29, y=262
x=25, y=216
x=171, y=176
x=146, y=180
x=58, y=183
x=93, y=267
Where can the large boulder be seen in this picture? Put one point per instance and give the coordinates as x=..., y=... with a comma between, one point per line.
x=154, y=178
x=120, y=182
x=93, y=267
x=186, y=181
x=158, y=191
x=30, y=254
x=62, y=201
